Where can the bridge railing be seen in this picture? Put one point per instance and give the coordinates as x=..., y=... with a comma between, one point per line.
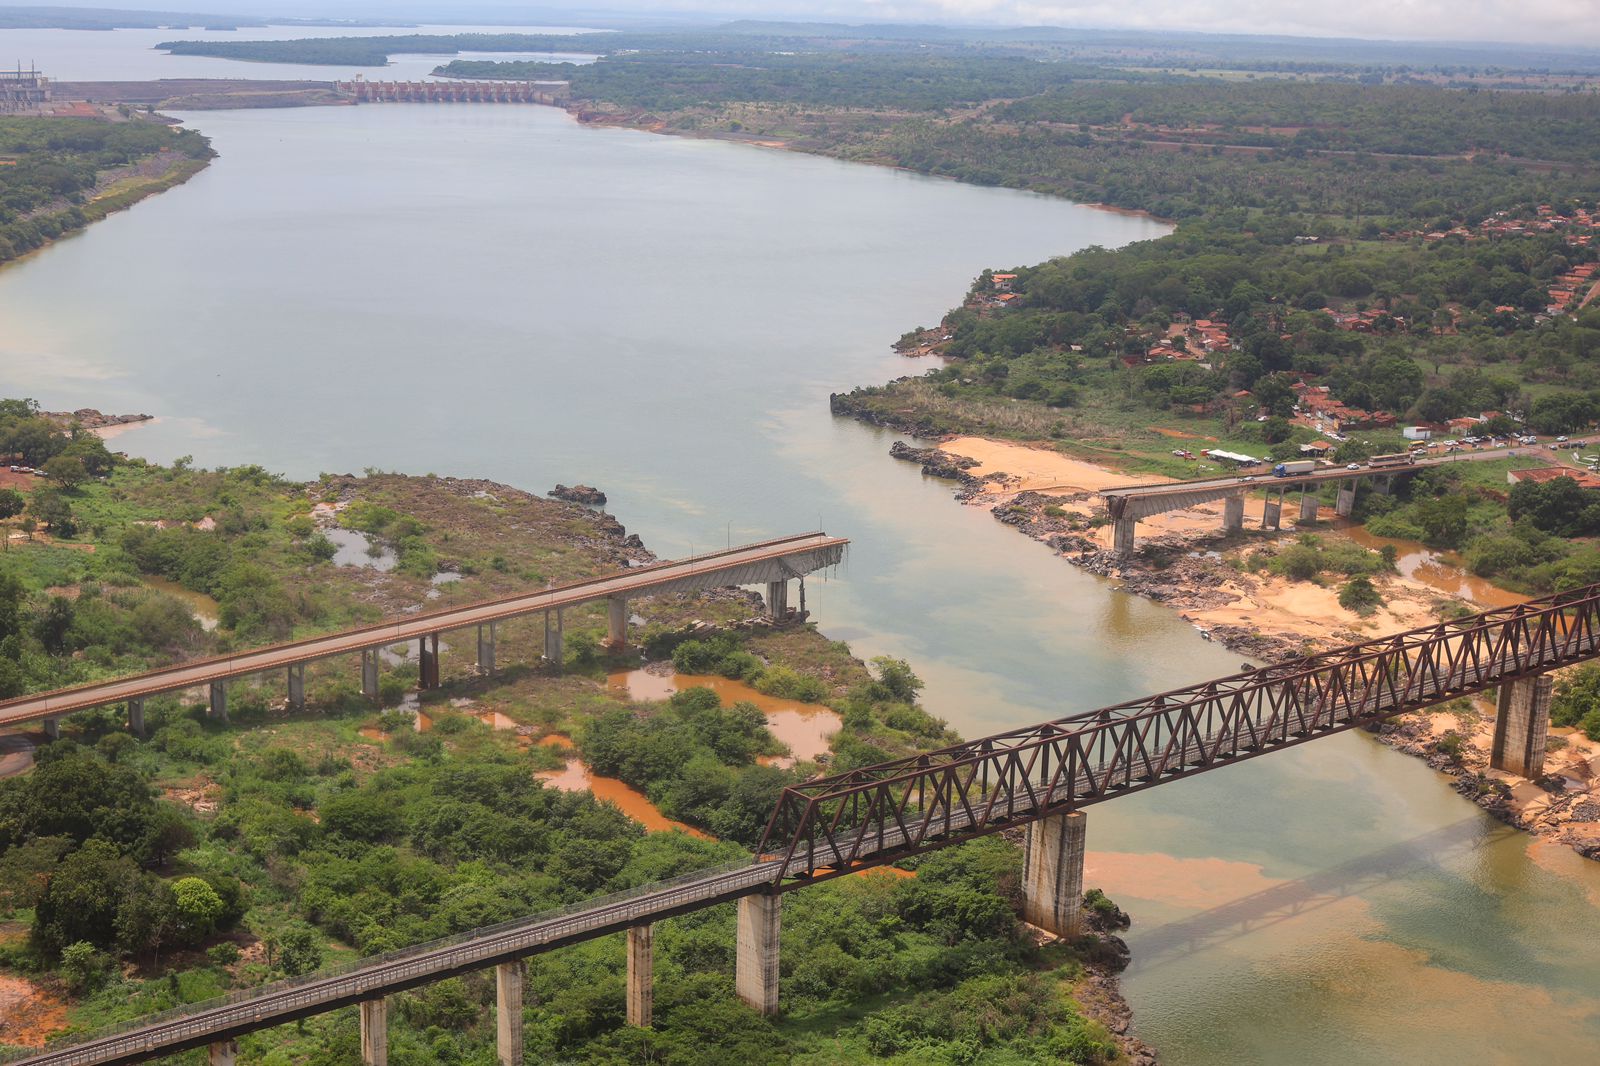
x=831, y=825
x=424, y=955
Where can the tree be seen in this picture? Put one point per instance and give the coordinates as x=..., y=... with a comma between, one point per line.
x=1360, y=595
x=67, y=471
x=1443, y=521
x=296, y=950
x=198, y=908
x=12, y=503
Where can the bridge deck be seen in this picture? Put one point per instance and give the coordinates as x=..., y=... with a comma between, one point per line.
x=750, y=564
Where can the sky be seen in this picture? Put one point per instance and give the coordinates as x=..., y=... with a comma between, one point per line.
x=1564, y=22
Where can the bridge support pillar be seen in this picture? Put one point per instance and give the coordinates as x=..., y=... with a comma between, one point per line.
x=616, y=623
x=1308, y=508
x=553, y=650
x=223, y=1053
x=1521, y=724
x=1233, y=514
x=756, y=966
x=1052, y=874
x=1383, y=485
x=486, y=635
x=375, y=1032
x=219, y=701
x=508, y=978
x=297, y=687
x=1346, y=503
x=369, y=673
x=136, y=716
x=1272, y=513
x=428, y=661
x=52, y=728
x=641, y=975
x=778, y=600
x=1122, y=532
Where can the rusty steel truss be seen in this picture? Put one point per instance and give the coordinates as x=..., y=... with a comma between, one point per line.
x=877, y=814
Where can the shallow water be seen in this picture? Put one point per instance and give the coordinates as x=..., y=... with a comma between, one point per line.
x=500, y=293
x=804, y=727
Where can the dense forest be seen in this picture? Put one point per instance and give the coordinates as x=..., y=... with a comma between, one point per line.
x=52, y=164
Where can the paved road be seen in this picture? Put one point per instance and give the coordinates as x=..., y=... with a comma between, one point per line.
x=749, y=564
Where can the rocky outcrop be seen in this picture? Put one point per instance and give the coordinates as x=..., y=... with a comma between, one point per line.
x=936, y=463
x=584, y=494
x=89, y=418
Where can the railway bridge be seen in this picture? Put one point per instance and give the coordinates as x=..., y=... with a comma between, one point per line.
x=1127, y=504
x=1040, y=777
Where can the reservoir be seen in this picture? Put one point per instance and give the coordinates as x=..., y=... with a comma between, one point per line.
x=501, y=293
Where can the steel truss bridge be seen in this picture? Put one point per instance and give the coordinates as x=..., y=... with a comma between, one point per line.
x=875, y=815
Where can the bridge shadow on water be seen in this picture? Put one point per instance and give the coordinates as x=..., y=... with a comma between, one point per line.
x=1290, y=900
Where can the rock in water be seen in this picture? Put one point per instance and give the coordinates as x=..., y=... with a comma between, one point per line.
x=584, y=494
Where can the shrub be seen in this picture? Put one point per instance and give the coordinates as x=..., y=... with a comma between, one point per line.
x=1359, y=595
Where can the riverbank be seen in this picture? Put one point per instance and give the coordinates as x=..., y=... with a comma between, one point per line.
x=1226, y=588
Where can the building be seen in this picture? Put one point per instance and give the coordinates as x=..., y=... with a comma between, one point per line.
x=1542, y=474
x=1417, y=433
x=23, y=90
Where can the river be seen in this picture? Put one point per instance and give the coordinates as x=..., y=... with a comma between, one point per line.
x=130, y=55
x=498, y=292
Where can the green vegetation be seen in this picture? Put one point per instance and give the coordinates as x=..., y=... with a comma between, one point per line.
x=1312, y=555
x=52, y=165
x=1577, y=701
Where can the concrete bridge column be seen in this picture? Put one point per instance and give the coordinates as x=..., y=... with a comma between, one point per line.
x=508, y=1012
x=1272, y=512
x=756, y=966
x=1122, y=534
x=219, y=701
x=223, y=1053
x=1052, y=874
x=136, y=716
x=1308, y=507
x=375, y=1032
x=297, y=687
x=369, y=673
x=778, y=600
x=616, y=623
x=52, y=728
x=1233, y=514
x=486, y=635
x=428, y=661
x=1383, y=485
x=1521, y=724
x=553, y=650
x=641, y=975
x=1346, y=503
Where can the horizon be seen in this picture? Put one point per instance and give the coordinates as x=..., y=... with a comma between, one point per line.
x=1553, y=24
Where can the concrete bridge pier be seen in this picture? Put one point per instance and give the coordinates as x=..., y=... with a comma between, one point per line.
x=1272, y=512
x=375, y=1032
x=554, y=652
x=486, y=636
x=219, y=701
x=369, y=673
x=1346, y=504
x=1308, y=507
x=1383, y=485
x=136, y=716
x=1122, y=534
x=297, y=687
x=1521, y=725
x=52, y=728
x=428, y=661
x=1052, y=874
x=756, y=961
x=223, y=1053
x=1233, y=514
x=508, y=978
x=641, y=974
x=778, y=600
x=616, y=623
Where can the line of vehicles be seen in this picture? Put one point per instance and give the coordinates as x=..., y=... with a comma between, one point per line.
x=1309, y=466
